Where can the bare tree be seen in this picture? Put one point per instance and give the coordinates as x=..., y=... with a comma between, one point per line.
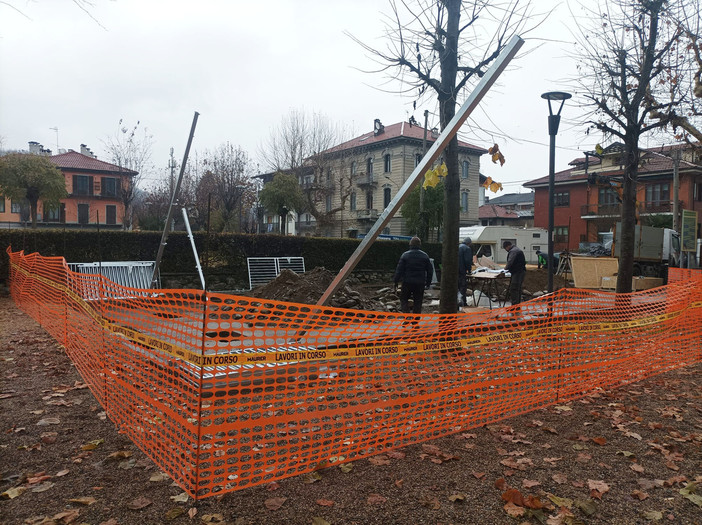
x=440, y=47
x=130, y=149
x=228, y=185
x=302, y=145
x=631, y=65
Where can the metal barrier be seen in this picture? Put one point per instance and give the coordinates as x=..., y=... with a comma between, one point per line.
x=130, y=274
x=263, y=270
x=225, y=392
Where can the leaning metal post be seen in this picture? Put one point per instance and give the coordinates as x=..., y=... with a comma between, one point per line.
x=444, y=138
x=164, y=236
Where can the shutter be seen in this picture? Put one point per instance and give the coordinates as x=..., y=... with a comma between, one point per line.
x=75, y=183
x=90, y=185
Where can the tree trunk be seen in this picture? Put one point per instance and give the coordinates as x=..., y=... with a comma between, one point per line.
x=447, y=103
x=628, y=218
x=33, y=200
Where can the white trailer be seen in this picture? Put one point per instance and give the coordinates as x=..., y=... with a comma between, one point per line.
x=487, y=241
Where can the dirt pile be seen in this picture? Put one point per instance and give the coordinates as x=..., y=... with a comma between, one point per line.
x=307, y=288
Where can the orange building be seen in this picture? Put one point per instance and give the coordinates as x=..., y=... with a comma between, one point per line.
x=584, y=210
x=94, y=194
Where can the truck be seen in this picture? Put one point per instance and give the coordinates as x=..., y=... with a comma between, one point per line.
x=487, y=241
x=655, y=250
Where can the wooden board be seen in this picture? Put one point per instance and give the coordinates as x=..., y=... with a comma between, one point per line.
x=589, y=271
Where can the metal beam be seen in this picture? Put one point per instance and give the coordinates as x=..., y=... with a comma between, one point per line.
x=444, y=138
x=171, y=207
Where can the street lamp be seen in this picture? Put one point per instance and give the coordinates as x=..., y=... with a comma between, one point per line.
x=553, y=122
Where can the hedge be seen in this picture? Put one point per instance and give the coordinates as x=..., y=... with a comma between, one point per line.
x=219, y=253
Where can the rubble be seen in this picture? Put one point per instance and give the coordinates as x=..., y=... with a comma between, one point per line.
x=307, y=288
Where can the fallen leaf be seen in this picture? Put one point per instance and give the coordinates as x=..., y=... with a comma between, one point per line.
x=500, y=483
x=653, y=515
x=636, y=467
x=459, y=496
x=312, y=477
x=559, y=478
x=346, y=467
x=61, y=473
x=158, y=476
x=478, y=475
x=430, y=502
x=180, y=498
x=395, y=454
x=597, y=488
x=319, y=521
x=689, y=492
x=513, y=510
x=529, y=483
x=139, y=503
x=12, y=493
x=174, y=513
x=379, y=460
x=43, y=487
x=375, y=499
x=513, y=496
x=192, y=512
x=111, y=521
x=120, y=454
x=48, y=421
x=86, y=500
x=626, y=453
x=92, y=445
x=560, y=502
x=325, y=502
x=600, y=441
x=588, y=507
x=640, y=495
x=274, y=503
x=68, y=516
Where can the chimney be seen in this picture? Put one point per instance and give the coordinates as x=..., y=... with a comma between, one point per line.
x=85, y=150
x=434, y=133
x=35, y=147
x=378, y=127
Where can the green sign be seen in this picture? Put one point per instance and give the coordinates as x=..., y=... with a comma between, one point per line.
x=688, y=234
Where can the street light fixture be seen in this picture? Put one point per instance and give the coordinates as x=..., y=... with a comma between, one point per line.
x=553, y=122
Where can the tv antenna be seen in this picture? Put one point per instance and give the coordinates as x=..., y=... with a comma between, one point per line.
x=55, y=128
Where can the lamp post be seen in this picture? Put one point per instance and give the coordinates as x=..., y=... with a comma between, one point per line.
x=553, y=122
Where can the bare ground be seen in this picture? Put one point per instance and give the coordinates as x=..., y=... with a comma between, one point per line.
x=627, y=456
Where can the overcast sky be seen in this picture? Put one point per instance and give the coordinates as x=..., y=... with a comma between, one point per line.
x=243, y=66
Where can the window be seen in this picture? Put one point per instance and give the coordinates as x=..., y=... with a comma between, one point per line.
x=386, y=197
x=329, y=175
x=464, y=169
x=561, y=198
x=308, y=218
x=658, y=193
x=109, y=186
x=369, y=166
x=2, y=204
x=606, y=196
x=352, y=204
x=698, y=191
x=354, y=167
x=417, y=159
x=386, y=231
x=536, y=236
x=15, y=207
x=328, y=203
x=83, y=213
x=464, y=202
x=82, y=185
x=561, y=234
x=369, y=200
x=52, y=212
x=110, y=214
x=386, y=163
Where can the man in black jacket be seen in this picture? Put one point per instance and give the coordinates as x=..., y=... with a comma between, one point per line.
x=465, y=264
x=516, y=265
x=415, y=271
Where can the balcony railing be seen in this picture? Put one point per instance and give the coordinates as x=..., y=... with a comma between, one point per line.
x=366, y=180
x=613, y=210
x=600, y=210
x=367, y=214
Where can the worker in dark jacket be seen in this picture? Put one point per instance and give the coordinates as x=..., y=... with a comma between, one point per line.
x=415, y=271
x=516, y=265
x=465, y=264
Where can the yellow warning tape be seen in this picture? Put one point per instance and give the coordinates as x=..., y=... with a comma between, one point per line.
x=353, y=350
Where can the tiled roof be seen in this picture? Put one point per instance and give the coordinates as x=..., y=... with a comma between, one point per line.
x=492, y=211
x=78, y=161
x=513, y=198
x=653, y=161
x=393, y=131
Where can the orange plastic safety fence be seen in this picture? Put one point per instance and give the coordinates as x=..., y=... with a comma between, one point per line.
x=225, y=392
